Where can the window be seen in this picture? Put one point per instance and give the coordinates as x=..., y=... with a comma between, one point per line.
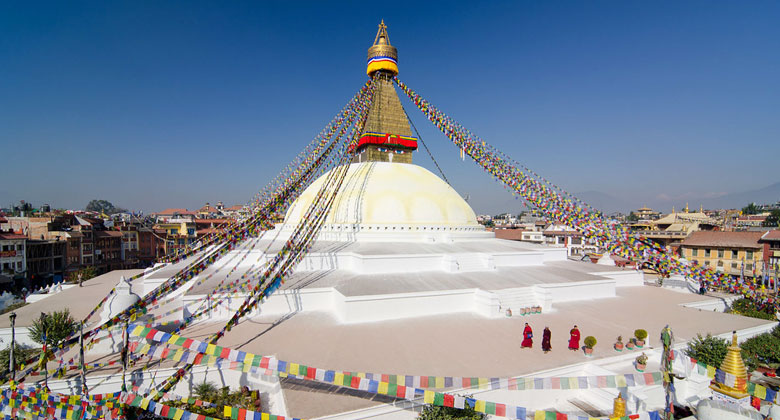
x=735, y=254
x=749, y=255
x=720, y=263
x=173, y=231
x=721, y=253
x=19, y=247
x=18, y=266
x=733, y=266
x=706, y=263
x=190, y=231
x=5, y=248
x=748, y=267
x=707, y=253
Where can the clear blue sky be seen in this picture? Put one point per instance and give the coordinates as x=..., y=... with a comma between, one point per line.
x=172, y=104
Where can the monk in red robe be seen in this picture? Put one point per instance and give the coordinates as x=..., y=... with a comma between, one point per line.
x=528, y=335
x=574, y=339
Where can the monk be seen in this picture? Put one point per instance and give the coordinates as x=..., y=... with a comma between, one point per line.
x=546, y=346
x=574, y=339
x=528, y=335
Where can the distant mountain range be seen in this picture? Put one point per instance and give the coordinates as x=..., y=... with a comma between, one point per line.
x=610, y=204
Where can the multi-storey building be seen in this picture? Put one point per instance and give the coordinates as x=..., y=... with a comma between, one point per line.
x=45, y=261
x=771, y=242
x=729, y=252
x=13, y=258
x=178, y=234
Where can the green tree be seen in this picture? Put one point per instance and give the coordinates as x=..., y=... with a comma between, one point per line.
x=103, y=206
x=632, y=217
x=57, y=325
x=21, y=354
x=219, y=397
x=86, y=274
x=746, y=307
x=750, y=209
x=763, y=349
x=709, y=350
x=773, y=220
x=435, y=412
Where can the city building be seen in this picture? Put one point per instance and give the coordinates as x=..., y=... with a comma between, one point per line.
x=45, y=262
x=729, y=252
x=178, y=233
x=174, y=214
x=13, y=258
x=771, y=242
x=674, y=227
x=646, y=213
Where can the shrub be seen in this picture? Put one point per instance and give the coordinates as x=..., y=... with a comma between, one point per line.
x=86, y=274
x=433, y=412
x=590, y=341
x=57, y=325
x=747, y=307
x=640, y=334
x=709, y=350
x=21, y=354
x=642, y=359
x=762, y=349
x=220, y=397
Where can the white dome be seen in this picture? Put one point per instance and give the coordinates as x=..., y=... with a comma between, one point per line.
x=383, y=197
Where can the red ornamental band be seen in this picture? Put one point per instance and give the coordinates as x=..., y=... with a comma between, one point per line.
x=386, y=139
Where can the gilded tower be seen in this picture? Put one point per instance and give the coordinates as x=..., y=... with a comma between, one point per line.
x=387, y=136
x=733, y=390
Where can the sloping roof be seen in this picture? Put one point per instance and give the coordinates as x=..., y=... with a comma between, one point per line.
x=723, y=239
x=8, y=236
x=174, y=211
x=772, y=235
x=108, y=233
x=237, y=207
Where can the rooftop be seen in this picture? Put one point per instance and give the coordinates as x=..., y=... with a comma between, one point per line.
x=724, y=239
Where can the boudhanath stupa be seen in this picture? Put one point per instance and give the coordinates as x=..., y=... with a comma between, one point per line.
x=402, y=280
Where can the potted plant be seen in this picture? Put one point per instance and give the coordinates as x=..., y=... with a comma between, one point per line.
x=640, y=337
x=538, y=309
x=619, y=343
x=641, y=362
x=590, y=342
x=630, y=344
x=523, y=311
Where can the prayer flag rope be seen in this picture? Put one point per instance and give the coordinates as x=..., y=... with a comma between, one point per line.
x=611, y=235
x=199, y=352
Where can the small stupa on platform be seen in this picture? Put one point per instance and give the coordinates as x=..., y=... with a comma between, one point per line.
x=726, y=388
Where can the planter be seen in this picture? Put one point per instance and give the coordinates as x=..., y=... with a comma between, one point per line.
x=640, y=343
x=618, y=346
x=538, y=309
x=524, y=311
x=588, y=351
x=641, y=367
x=630, y=345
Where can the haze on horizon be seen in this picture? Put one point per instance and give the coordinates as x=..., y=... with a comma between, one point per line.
x=152, y=105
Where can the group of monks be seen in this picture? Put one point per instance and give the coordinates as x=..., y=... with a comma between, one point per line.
x=528, y=338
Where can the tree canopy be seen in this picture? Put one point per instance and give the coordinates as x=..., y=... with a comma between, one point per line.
x=103, y=206
x=750, y=209
x=773, y=220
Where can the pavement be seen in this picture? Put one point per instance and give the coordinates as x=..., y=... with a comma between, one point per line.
x=79, y=300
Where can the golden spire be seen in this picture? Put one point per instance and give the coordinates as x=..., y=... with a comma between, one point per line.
x=382, y=56
x=686, y=207
x=701, y=208
x=734, y=365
